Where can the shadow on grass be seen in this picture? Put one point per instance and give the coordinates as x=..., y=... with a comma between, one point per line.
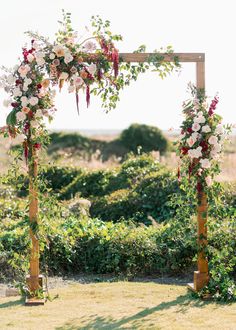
x=12, y=303
x=136, y=320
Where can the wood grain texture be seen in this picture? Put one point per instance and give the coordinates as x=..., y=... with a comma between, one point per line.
x=182, y=57
x=33, y=217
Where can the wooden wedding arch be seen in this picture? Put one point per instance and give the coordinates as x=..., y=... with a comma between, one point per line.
x=34, y=279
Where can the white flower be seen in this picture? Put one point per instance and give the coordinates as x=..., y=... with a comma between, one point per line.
x=11, y=79
x=40, y=61
x=25, y=87
x=208, y=180
x=27, y=81
x=64, y=75
x=200, y=120
x=198, y=152
x=6, y=103
x=213, y=140
x=219, y=129
x=34, y=123
x=199, y=171
x=196, y=135
x=71, y=88
x=20, y=116
x=196, y=127
x=78, y=81
x=92, y=68
x=89, y=46
x=24, y=101
x=23, y=70
x=35, y=45
x=68, y=58
x=206, y=129
x=39, y=114
x=59, y=50
x=216, y=147
x=52, y=56
x=205, y=163
x=33, y=100
x=195, y=153
x=30, y=57
x=17, y=92
x=214, y=154
x=40, y=55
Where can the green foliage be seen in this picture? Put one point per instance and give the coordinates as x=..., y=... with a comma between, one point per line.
x=76, y=141
x=146, y=137
x=87, y=184
x=222, y=260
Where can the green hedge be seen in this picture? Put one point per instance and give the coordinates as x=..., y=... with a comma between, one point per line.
x=71, y=245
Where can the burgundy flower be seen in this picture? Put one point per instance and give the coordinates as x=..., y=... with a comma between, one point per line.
x=39, y=86
x=18, y=82
x=87, y=95
x=189, y=130
x=37, y=146
x=199, y=187
x=213, y=105
x=30, y=114
x=184, y=150
x=14, y=104
x=26, y=127
x=204, y=145
x=115, y=59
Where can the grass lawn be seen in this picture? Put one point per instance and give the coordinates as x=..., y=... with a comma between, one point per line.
x=118, y=305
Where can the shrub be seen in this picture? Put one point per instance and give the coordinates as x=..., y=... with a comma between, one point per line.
x=88, y=184
x=149, y=138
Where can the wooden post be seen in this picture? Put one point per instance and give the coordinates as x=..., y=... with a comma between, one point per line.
x=201, y=276
x=34, y=280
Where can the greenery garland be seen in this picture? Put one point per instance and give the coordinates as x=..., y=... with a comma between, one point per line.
x=90, y=65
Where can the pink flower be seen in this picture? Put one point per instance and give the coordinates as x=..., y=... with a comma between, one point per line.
x=213, y=140
x=30, y=58
x=92, y=68
x=206, y=129
x=20, y=116
x=56, y=62
x=78, y=81
x=89, y=46
x=191, y=141
x=23, y=70
x=208, y=180
x=196, y=127
x=205, y=163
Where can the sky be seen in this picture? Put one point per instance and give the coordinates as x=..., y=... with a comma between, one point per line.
x=205, y=26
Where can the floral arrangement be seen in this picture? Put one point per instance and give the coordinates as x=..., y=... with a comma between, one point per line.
x=90, y=64
x=201, y=139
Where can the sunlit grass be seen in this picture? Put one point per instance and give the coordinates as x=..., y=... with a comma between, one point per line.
x=119, y=305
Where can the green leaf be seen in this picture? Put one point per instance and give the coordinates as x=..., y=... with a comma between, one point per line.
x=11, y=118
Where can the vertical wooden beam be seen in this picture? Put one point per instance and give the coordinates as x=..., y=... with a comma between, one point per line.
x=200, y=75
x=201, y=275
x=33, y=218
x=34, y=280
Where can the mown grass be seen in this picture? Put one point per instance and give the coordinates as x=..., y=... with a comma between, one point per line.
x=119, y=305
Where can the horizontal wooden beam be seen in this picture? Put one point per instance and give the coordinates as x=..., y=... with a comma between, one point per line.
x=143, y=57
